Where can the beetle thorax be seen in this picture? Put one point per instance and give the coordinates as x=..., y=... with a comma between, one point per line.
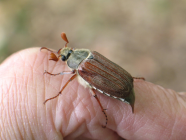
x=76, y=57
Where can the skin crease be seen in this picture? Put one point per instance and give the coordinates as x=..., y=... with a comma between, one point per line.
x=158, y=113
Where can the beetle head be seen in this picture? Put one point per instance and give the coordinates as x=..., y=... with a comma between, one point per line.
x=65, y=53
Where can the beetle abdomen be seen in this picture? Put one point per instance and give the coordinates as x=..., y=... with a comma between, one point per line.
x=106, y=76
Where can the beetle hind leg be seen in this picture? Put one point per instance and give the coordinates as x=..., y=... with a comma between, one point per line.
x=142, y=78
x=103, y=110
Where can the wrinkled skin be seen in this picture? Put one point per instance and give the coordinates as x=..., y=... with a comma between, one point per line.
x=158, y=113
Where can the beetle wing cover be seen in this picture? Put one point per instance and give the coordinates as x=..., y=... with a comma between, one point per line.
x=106, y=76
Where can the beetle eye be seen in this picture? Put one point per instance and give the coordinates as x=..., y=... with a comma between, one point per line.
x=63, y=58
x=69, y=53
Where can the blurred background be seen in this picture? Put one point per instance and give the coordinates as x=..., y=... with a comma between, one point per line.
x=146, y=37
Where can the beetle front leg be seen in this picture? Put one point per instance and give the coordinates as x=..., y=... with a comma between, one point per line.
x=44, y=48
x=103, y=110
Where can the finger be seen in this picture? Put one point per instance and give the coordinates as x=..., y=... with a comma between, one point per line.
x=24, y=89
x=23, y=113
x=76, y=109
x=159, y=114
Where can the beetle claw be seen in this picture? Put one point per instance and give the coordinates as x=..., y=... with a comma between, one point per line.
x=44, y=72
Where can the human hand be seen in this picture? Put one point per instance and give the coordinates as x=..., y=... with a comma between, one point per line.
x=158, y=113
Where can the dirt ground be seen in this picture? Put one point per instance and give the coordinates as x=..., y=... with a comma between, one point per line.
x=147, y=38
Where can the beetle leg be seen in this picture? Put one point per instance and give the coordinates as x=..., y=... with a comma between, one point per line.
x=61, y=73
x=103, y=110
x=47, y=49
x=142, y=78
x=72, y=78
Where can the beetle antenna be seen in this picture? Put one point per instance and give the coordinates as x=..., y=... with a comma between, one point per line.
x=64, y=37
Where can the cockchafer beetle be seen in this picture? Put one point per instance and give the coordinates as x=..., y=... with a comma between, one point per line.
x=95, y=71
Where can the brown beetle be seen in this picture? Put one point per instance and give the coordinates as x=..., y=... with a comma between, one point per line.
x=95, y=71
